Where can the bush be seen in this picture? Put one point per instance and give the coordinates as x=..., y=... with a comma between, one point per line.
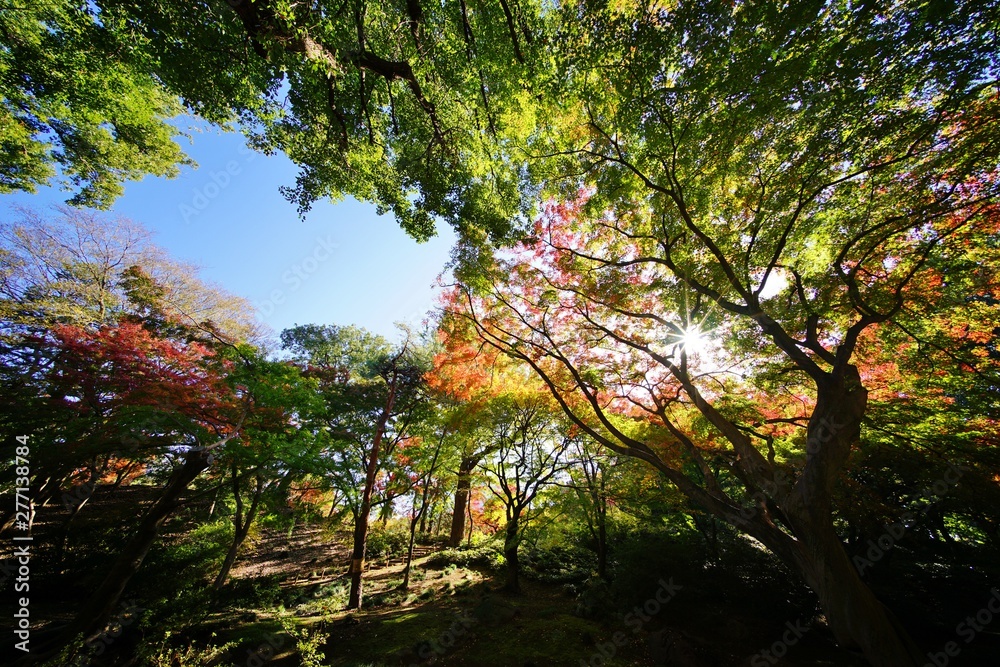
x=307, y=644
x=487, y=554
x=559, y=564
x=387, y=542
x=190, y=655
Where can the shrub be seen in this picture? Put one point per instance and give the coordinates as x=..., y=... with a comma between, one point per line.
x=558, y=564
x=387, y=542
x=487, y=554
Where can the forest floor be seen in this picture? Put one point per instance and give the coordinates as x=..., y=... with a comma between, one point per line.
x=453, y=616
x=460, y=617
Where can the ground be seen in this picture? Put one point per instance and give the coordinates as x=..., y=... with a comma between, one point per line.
x=294, y=583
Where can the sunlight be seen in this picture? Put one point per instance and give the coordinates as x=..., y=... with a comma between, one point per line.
x=694, y=341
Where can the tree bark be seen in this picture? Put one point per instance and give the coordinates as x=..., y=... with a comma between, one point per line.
x=426, y=481
x=856, y=617
x=510, y=544
x=361, y=523
x=462, y=493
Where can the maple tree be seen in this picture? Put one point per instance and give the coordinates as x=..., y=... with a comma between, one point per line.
x=122, y=391
x=765, y=264
x=748, y=397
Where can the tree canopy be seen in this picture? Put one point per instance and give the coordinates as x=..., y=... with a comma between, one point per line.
x=752, y=246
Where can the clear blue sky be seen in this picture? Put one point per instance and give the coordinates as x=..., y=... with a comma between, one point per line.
x=342, y=265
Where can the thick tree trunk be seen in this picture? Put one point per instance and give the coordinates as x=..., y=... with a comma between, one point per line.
x=462, y=493
x=472, y=523
x=96, y=612
x=856, y=617
x=510, y=544
x=809, y=543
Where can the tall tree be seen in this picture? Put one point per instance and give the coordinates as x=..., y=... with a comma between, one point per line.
x=373, y=392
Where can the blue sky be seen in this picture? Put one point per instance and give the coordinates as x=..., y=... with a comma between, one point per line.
x=342, y=265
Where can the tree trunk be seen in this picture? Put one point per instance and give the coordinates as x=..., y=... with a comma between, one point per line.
x=241, y=528
x=462, y=493
x=215, y=501
x=413, y=537
x=510, y=545
x=361, y=522
x=78, y=499
x=334, y=503
x=96, y=612
x=472, y=524
x=360, y=547
x=857, y=619
x=602, y=543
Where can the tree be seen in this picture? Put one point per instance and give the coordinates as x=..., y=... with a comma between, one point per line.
x=589, y=482
x=88, y=268
x=727, y=152
x=530, y=453
x=423, y=460
x=610, y=310
x=79, y=104
x=121, y=380
x=273, y=448
x=466, y=379
x=721, y=145
x=87, y=272
x=373, y=391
